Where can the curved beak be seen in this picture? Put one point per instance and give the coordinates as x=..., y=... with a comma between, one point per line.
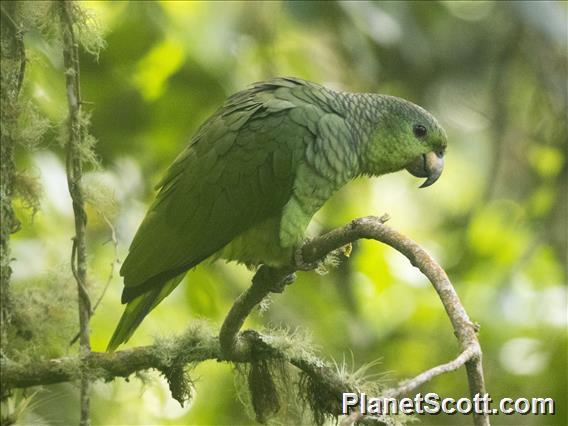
x=428, y=165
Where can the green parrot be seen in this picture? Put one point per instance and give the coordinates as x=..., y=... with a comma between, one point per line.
x=254, y=174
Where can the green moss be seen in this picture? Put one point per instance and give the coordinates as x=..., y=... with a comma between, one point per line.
x=31, y=126
x=44, y=317
x=28, y=188
x=176, y=353
x=99, y=196
x=88, y=30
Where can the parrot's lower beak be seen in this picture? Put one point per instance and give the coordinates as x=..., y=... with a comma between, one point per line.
x=428, y=165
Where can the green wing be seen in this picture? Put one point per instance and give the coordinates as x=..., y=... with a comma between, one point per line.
x=237, y=171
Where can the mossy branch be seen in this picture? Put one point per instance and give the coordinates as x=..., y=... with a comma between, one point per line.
x=199, y=344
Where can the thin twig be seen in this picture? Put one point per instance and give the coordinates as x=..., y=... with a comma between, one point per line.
x=74, y=181
x=113, y=264
x=404, y=387
x=410, y=385
x=83, y=293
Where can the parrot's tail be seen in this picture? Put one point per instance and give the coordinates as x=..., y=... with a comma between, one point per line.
x=137, y=309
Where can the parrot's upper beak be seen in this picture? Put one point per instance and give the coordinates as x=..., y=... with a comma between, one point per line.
x=428, y=165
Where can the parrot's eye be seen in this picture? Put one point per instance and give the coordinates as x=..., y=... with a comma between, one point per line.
x=419, y=131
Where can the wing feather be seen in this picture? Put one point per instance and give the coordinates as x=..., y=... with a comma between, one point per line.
x=239, y=170
x=213, y=190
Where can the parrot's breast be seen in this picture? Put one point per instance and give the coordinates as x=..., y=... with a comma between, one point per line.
x=259, y=245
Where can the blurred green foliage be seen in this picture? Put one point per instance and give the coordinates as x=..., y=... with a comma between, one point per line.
x=494, y=73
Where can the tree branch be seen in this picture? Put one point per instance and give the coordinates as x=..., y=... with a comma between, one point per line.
x=409, y=385
x=265, y=281
x=368, y=228
x=74, y=177
x=196, y=345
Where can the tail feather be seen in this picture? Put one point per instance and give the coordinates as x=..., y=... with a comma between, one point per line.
x=137, y=309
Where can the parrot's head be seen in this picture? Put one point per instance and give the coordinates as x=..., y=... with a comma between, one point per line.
x=406, y=136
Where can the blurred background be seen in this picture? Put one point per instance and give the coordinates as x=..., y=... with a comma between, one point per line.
x=493, y=73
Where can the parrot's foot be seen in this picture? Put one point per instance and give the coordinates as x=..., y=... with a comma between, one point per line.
x=301, y=264
x=281, y=285
x=322, y=266
x=273, y=279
